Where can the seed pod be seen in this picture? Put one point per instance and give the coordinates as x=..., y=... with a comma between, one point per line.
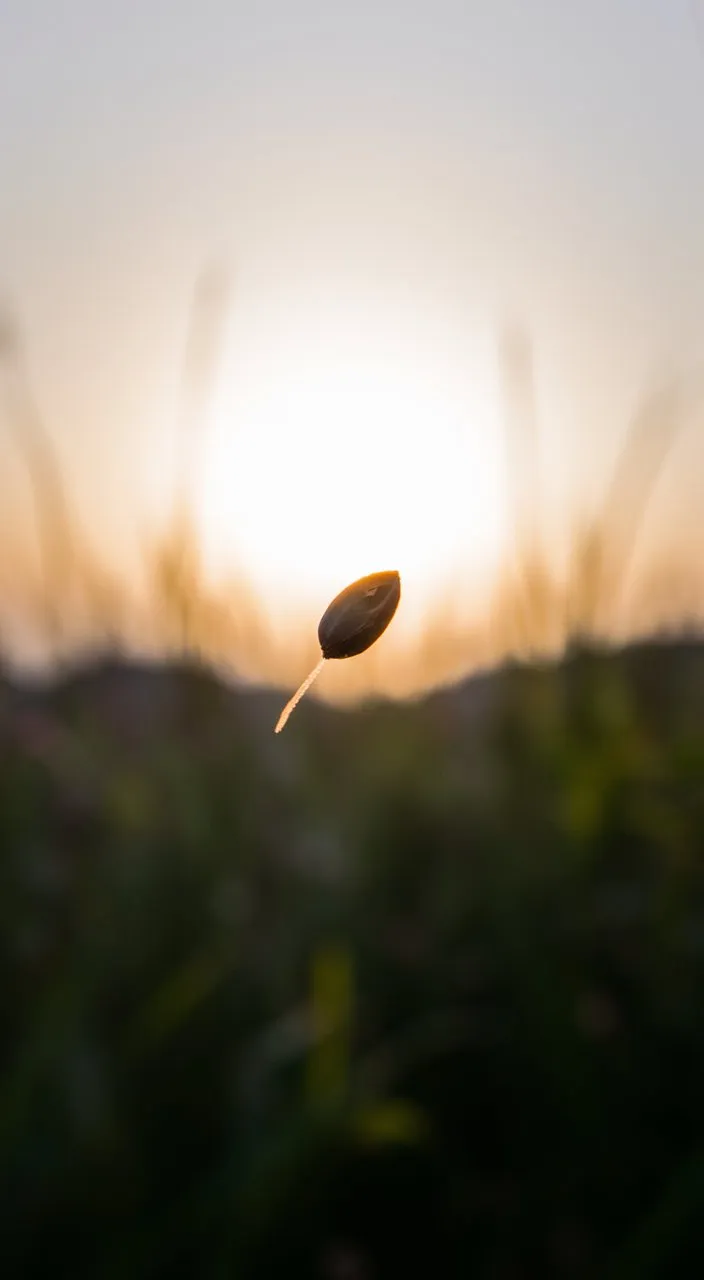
x=359, y=615
x=352, y=622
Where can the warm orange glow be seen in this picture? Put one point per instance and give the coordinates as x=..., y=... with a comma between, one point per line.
x=339, y=439
x=341, y=448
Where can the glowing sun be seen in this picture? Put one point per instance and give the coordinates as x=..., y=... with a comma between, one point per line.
x=342, y=445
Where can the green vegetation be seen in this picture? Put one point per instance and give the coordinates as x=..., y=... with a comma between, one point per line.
x=415, y=990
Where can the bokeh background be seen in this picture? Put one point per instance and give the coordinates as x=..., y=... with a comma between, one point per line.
x=290, y=294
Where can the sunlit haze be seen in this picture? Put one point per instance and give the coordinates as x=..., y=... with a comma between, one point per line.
x=359, y=440
x=372, y=200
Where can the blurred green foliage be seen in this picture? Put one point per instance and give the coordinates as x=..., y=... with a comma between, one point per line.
x=414, y=990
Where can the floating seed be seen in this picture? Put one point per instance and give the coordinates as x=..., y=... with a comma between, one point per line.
x=352, y=622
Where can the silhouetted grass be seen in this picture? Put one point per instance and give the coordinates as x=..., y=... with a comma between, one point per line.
x=177, y=573
x=52, y=511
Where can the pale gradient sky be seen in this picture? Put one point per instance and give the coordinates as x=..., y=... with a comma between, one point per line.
x=456, y=161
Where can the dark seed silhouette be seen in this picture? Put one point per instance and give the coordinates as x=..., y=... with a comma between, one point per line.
x=359, y=615
x=352, y=622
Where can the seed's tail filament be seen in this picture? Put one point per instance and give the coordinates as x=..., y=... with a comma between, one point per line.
x=294, y=701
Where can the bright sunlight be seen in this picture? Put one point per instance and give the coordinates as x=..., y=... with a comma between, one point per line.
x=339, y=447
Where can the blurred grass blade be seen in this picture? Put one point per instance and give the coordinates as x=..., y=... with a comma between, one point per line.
x=332, y=997
x=51, y=506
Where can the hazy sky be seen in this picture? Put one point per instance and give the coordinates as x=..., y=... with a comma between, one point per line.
x=453, y=162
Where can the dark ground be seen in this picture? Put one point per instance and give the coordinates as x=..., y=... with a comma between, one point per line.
x=416, y=990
